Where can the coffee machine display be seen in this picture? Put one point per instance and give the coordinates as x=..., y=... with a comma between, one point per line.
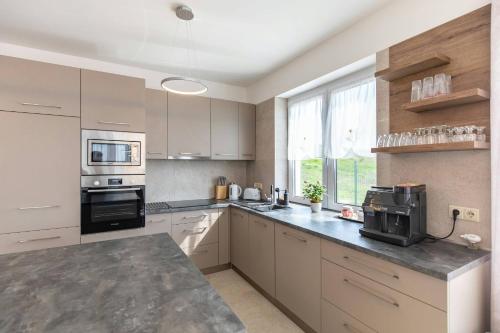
x=396, y=215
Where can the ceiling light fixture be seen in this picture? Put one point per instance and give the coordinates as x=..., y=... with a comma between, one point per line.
x=181, y=84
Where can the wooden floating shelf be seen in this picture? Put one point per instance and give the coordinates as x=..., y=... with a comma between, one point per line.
x=452, y=146
x=435, y=60
x=446, y=101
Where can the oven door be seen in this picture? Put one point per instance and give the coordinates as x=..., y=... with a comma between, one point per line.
x=108, y=209
x=113, y=153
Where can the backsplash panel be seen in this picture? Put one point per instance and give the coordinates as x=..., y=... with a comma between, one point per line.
x=169, y=180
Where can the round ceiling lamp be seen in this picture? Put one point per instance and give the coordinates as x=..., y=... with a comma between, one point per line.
x=181, y=84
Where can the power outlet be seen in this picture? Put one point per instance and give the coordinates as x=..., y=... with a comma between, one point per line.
x=466, y=213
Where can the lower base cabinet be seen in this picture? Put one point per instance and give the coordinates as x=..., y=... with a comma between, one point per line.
x=334, y=320
x=40, y=239
x=261, y=253
x=298, y=274
x=204, y=256
x=239, y=240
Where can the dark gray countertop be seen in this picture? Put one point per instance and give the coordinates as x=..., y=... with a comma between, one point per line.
x=441, y=259
x=141, y=284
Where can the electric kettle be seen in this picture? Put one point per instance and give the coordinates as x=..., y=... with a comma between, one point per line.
x=234, y=191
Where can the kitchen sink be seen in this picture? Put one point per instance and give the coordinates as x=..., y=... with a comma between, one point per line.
x=268, y=208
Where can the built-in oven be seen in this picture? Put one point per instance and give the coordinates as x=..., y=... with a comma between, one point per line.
x=113, y=153
x=111, y=203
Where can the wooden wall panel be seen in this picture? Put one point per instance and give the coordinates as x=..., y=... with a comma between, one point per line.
x=466, y=40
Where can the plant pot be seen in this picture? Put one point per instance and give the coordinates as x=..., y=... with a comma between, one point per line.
x=316, y=207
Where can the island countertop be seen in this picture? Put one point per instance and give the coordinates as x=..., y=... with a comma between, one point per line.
x=442, y=260
x=141, y=284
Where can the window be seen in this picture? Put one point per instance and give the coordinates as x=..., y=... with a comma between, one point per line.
x=330, y=136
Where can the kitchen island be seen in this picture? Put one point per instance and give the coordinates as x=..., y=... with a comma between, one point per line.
x=141, y=284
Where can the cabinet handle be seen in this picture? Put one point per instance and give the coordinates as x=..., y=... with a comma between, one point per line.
x=38, y=207
x=114, y=190
x=113, y=123
x=356, y=261
x=300, y=239
x=247, y=154
x=38, y=239
x=157, y=221
x=217, y=154
x=181, y=153
x=154, y=153
x=238, y=214
x=351, y=328
x=194, y=232
x=42, y=105
x=195, y=217
x=372, y=293
x=200, y=252
x=260, y=223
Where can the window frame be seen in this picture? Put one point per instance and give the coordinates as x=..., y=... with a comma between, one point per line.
x=329, y=165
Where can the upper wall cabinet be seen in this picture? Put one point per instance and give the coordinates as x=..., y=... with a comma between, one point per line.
x=188, y=127
x=246, y=131
x=112, y=102
x=156, y=124
x=224, y=129
x=37, y=87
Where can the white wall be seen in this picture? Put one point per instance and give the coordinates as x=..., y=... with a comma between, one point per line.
x=153, y=78
x=399, y=20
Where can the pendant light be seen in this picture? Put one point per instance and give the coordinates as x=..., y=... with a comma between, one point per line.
x=180, y=84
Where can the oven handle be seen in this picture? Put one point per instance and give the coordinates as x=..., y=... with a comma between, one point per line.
x=115, y=190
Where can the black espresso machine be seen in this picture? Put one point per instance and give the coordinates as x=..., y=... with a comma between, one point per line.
x=396, y=215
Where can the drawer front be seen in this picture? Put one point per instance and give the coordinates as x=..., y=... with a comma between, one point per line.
x=194, y=216
x=204, y=255
x=158, y=224
x=415, y=284
x=191, y=235
x=37, y=240
x=104, y=236
x=298, y=274
x=382, y=308
x=334, y=320
x=37, y=87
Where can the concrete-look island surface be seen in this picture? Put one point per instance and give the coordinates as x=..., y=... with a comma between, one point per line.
x=141, y=284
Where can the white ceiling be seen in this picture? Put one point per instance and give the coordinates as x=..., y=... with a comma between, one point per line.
x=236, y=41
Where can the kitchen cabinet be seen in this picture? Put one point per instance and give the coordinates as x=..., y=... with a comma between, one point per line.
x=298, y=274
x=203, y=256
x=39, y=239
x=239, y=240
x=158, y=224
x=156, y=124
x=224, y=129
x=112, y=102
x=41, y=168
x=188, y=126
x=261, y=253
x=246, y=131
x=37, y=87
x=224, y=242
x=334, y=320
x=198, y=228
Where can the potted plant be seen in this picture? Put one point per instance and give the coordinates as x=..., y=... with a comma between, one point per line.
x=314, y=192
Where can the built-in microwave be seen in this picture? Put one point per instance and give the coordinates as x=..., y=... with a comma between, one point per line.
x=113, y=153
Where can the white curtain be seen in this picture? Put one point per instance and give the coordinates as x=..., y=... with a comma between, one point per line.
x=495, y=165
x=305, y=129
x=351, y=121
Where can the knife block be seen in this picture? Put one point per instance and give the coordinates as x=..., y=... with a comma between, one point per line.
x=220, y=192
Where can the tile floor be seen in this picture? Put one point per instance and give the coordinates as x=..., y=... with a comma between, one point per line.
x=254, y=310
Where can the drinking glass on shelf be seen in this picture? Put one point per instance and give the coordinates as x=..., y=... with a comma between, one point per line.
x=428, y=87
x=442, y=134
x=381, y=140
x=394, y=140
x=449, y=87
x=481, y=133
x=458, y=134
x=420, y=136
x=416, y=90
x=430, y=136
x=440, y=84
x=470, y=133
x=405, y=139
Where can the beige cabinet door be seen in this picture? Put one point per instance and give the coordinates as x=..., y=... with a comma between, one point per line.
x=239, y=240
x=112, y=102
x=37, y=87
x=156, y=124
x=224, y=129
x=246, y=131
x=188, y=126
x=40, y=164
x=298, y=274
x=261, y=253
x=223, y=236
